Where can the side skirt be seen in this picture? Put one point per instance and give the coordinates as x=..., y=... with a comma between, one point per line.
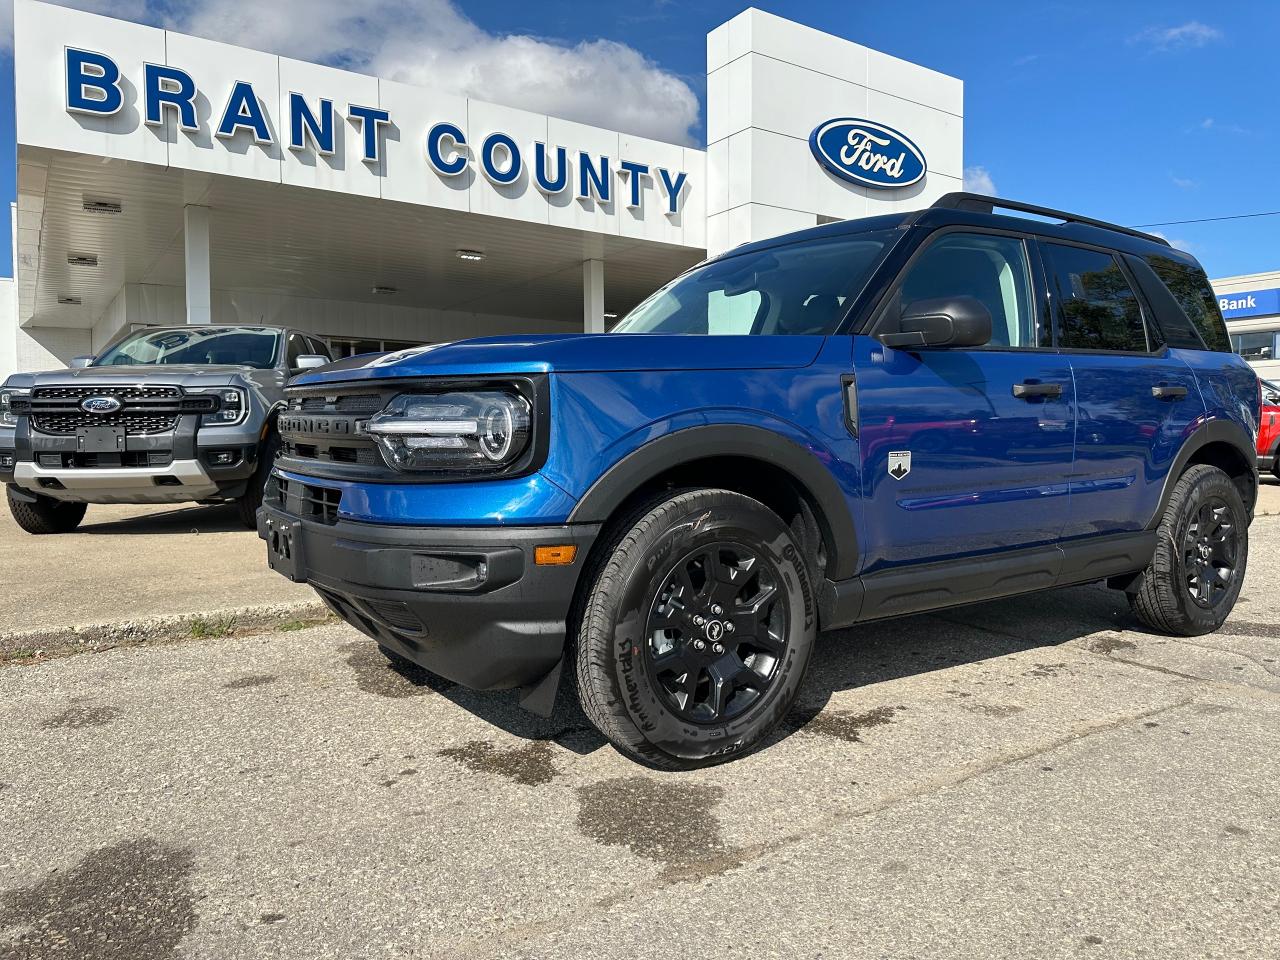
x=952, y=583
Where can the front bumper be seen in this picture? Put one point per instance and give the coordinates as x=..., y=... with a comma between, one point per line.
x=1267, y=463
x=466, y=603
x=179, y=482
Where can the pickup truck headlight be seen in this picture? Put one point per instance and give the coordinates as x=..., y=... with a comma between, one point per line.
x=462, y=431
x=8, y=418
x=233, y=406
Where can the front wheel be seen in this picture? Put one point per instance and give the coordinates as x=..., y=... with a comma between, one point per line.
x=46, y=515
x=1202, y=551
x=248, y=504
x=696, y=629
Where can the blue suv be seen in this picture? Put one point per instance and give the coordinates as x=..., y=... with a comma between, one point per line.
x=864, y=420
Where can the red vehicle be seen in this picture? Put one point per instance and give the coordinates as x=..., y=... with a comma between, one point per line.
x=1269, y=430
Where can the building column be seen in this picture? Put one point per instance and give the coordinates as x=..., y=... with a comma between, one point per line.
x=195, y=233
x=593, y=296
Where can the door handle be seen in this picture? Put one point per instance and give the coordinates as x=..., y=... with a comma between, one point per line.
x=1031, y=390
x=1165, y=391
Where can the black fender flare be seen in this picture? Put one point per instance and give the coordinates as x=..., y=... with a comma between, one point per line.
x=690, y=444
x=1212, y=431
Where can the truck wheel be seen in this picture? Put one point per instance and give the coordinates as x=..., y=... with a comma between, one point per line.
x=696, y=626
x=248, y=504
x=1202, y=550
x=46, y=515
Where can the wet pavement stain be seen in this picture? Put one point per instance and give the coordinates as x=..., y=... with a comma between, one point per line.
x=1109, y=645
x=271, y=918
x=1093, y=940
x=80, y=717
x=391, y=678
x=843, y=725
x=668, y=823
x=530, y=765
x=129, y=901
x=253, y=680
x=1242, y=628
x=998, y=710
x=1046, y=670
x=1235, y=831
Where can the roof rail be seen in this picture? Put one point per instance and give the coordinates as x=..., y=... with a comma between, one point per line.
x=977, y=203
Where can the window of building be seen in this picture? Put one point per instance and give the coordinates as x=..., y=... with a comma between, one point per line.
x=1190, y=287
x=341, y=347
x=1255, y=346
x=1097, y=308
x=991, y=269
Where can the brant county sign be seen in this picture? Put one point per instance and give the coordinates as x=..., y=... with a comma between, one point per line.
x=866, y=153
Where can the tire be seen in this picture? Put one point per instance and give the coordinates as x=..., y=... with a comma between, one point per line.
x=1205, y=513
x=248, y=505
x=652, y=692
x=46, y=515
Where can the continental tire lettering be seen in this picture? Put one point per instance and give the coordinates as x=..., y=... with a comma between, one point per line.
x=627, y=665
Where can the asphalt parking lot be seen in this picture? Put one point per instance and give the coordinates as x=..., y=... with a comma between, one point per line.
x=1029, y=778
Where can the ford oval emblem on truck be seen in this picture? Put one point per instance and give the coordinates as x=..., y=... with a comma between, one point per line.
x=100, y=404
x=866, y=153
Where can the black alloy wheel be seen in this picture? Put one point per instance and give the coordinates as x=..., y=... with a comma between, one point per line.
x=1210, y=549
x=717, y=632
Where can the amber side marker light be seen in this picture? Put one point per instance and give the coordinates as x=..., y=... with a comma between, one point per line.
x=554, y=556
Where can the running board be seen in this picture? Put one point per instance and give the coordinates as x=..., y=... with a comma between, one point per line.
x=951, y=583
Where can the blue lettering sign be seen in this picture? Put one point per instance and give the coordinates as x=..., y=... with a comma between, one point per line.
x=303, y=123
x=636, y=172
x=674, y=188
x=168, y=87
x=545, y=183
x=1250, y=303
x=489, y=164
x=868, y=154
x=593, y=181
x=372, y=120
x=244, y=111
x=95, y=73
x=442, y=137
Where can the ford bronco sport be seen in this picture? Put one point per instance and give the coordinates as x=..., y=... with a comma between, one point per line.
x=166, y=415
x=863, y=420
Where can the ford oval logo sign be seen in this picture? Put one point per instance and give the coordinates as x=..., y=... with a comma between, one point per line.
x=868, y=154
x=100, y=404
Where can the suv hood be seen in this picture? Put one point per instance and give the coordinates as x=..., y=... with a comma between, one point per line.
x=191, y=375
x=577, y=353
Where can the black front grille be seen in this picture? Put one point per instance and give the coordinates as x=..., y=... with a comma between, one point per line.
x=324, y=432
x=143, y=409
x=309, y=501
x=354, y=403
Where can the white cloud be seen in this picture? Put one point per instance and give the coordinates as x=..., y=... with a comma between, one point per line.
x=1184, y=245
x=1193, y=33
x=978, y=180
x=1183, y=183
x=434, y=44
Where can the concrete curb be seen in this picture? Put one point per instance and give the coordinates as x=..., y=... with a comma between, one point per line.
x=60, y=641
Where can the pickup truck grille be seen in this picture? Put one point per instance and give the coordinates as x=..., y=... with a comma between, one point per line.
x=143, y=410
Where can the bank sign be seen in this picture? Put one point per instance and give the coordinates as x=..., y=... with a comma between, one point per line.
x=1250, y=303
x=867, y=153
x=97, y=88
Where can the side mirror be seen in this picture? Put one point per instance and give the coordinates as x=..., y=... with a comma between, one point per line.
x=78, y=362
x=942, y=322
x=309, y=361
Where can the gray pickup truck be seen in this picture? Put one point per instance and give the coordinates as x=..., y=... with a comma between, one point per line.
x=164, y=415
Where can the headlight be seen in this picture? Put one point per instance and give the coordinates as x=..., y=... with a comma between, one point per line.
x=232, y=408
x=8, y=418
x=462, y=431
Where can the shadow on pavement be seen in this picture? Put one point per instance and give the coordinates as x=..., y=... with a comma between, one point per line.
x=218, y=518
x=847, y=659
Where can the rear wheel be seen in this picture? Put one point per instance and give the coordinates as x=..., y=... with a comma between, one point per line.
x=1202, y=551
x=695, y=630
x=46, y=515
x=248, y=504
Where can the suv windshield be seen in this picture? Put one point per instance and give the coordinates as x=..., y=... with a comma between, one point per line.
x=804, y=288
x=249, y=346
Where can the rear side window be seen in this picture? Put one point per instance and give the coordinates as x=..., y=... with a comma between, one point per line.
x=1097, y=308
x=1190, y=287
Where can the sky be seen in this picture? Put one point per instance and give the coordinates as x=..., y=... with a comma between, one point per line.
x=1135, y=112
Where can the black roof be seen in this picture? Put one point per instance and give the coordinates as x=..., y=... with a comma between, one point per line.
x=971, y=209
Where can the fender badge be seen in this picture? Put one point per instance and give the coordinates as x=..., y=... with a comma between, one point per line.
x=899, y=463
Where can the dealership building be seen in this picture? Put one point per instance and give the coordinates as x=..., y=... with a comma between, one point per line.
x=164, y=178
